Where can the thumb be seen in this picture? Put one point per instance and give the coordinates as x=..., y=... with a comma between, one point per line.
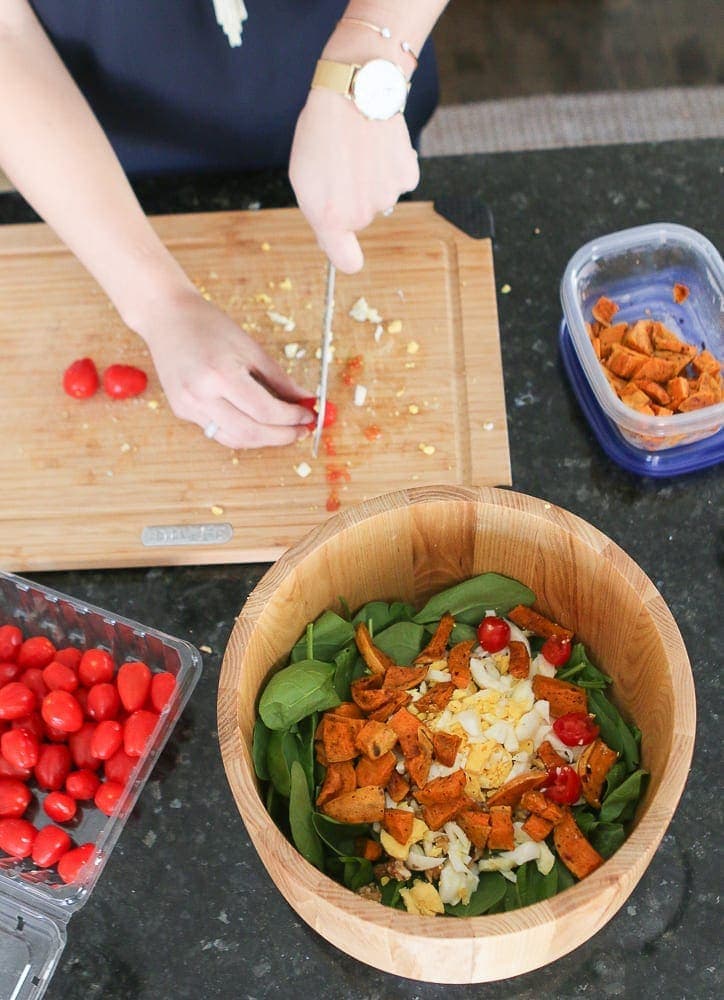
x=343, y=250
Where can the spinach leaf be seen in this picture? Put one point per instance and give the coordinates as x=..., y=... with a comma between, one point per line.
x=585, y=819
x=490, y=890
x=616, y=806
x=614, y=731
x=297, y=690
x=614, y=778
x=565, y=879
x=580, y=669
x=390, y=893
x=357, y=872
x=305, y=738
x=278, y=808
x=330, y=634
x=607, y=838
x=532, y=887
x=468, y=601
x=379, y=615
x=462, y=633
x=402, y=641
x=300, y=818
x=340, y=837
x=511, y=899
x=344, y=663
x=547, y=884
x=282, y=751
x=259, y=746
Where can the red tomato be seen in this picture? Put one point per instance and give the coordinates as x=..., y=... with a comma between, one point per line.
x=33, y=723
x=9, y=671
x=17, y=837
x=123, y=381
x=60, y=807
x=53, y=766
x=16, y=700
x=163, y=686
x=80, y=379
x=8, y=771
x=70, y=864
x=11, y=639
x=20, y=748
x=330, y=411
x=14, y=797
x=103, y=702
x=79, y=744
x=36, y=652
x=107, y=796
x=137, y=732
x=107, y=739
x=58, y=677
x=134, y=683
x=493, y=634
x=33, y=678
x=96, y=667
x=576, y=729
x=119, y=767
x=81, y=696
x=69, y=656
x=82, y=785
x=50, y=845
x=563, y=785
x=557, y=650
x=61, y=711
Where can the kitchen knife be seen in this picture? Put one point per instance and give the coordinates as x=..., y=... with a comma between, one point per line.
x=326, y=358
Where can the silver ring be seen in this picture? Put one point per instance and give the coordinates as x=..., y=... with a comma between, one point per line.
x=211, y=429
x=388, y=211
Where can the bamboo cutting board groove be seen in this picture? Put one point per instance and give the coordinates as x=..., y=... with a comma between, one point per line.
x=100, y=483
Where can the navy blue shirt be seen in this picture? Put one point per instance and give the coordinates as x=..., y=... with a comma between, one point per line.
x=171, y=93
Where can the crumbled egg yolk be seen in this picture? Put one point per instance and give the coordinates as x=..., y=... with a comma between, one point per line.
x=422, y=899
x=400, y=851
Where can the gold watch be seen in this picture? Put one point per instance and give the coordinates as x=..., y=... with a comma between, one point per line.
x=378, y=88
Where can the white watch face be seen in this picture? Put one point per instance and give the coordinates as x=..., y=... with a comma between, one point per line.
x=379, y=89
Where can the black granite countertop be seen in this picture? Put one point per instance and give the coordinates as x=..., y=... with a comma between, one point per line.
x=185, y=908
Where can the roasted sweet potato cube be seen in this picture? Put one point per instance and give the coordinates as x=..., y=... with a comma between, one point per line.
x=658, y=369
x=376, y=660
x=697, y=401
x=519, y=665
x=654, y=391
x=677, y=361
x=549, y=756
x=398, y=823
x=666, y=340
x=340, y=737
x=365, y=847
x=638, y=337
x=530, y=620
x=398, y=786
x=537, y=803
x=705, y=361
x=597, y=347
x=392, y=702
x=363, y=805
x=624, y=362
x=404, y=677
x=367, y=694
x=435, y=649
x=375, y=772
x=579, y=857
x=445, y=747
x=375, y=739
x=451, y=786
x=680, y=292
x=418, y=767
x=593, y=765
x=604, y=310
x=458, y=663
x=340, y=778
x=537, y=828
x=501, y=837
x=662, y=411
x=611, y=335
x=678, y=390
x=475, y=824
x=512, y=791
x=440, y=813
x=562, y=696
x=320, y=754
x=436, y=697
x=616, y=383
x=406, y=725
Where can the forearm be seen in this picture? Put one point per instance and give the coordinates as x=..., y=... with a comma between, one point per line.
x=56, y=154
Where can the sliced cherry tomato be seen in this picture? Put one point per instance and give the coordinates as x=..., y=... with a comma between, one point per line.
x=33, y=678
x=15, y=798
x=493, y=634
x=62, y=711
x=60, y=807
x=107, y=739
x=58, y=677
x=80, y=747
x=53, y=766
x=80, y=379
x=50, y=845
x=576, y=729
x=16, y=700
x=163, y=686
x=134, y=683
x=96, y=667
x=69, y=656
x=11, y=639
x=563, y=785
x=82, y=785
x=137, y=732
x=17, y=837
x=103, y=702
x=36, y=652
x=557, y=650
x=330, y=411
x=124, y=381
x=20, y=748
x=333, y=502
x=9, y=671
x=71, y=863
x=107, y=796
x=119, y=767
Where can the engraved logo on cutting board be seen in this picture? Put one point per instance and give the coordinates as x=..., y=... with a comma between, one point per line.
x=187, y=534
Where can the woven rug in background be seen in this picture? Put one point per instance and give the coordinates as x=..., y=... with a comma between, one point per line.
x=549, y=121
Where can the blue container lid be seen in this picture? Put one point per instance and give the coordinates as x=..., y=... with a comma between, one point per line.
x=659, y=464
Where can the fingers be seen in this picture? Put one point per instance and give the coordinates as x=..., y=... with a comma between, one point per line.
x=251, y=397
x=239, y=430
x=342, y=248
x=276, y=379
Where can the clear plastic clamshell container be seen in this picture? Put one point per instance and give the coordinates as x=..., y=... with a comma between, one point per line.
x=637, y=268
x=35, y=905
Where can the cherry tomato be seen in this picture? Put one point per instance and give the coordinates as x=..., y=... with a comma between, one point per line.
x=576, y=729
x=107, y=739
x=557, y=650
x=58, y=677
x=8, y=771
x=33, y=723
x=82, y=785
x=330, y=411
x=119, y=767
x=493, y=634
x=96, y=667
x=17, y=837
x=69, y=656
x=33, y=678
x=36, y=652
x=80, y=379
x=163, y=686
x=103, y=702
x=124, y=381
x=11, y=639
x=333, y=502
x=15, y=797
x=81, y=696
x=62, y=711
x=53, y=766
x=80, y=743
x=16, y=700
x=137, y=732
x=71, y=863
x=20, y=748
x=50, y=845
x=563, y=785
x=60, y=807
x=107, y=796
x=134, y=683
x=9, y=671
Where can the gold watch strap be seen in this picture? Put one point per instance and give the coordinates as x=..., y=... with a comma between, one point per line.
x=334, y=76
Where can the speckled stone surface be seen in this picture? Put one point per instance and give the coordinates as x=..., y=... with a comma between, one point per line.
x=185, y=908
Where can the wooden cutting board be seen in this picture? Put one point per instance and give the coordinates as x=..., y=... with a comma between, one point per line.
x=101, y=483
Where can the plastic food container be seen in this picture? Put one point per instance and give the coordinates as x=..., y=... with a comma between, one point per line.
x=35, y=905
x=638, y=268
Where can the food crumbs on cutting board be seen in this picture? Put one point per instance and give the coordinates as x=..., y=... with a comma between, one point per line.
x=206, y=649
x=216, y=510
x=506, y=290
x=426, y=449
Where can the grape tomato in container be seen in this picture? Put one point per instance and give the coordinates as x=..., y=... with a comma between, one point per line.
x=35, y=903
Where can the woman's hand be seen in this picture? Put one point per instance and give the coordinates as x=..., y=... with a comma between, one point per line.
x=211, y=371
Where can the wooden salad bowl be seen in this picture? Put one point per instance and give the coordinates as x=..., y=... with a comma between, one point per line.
x=408, y=545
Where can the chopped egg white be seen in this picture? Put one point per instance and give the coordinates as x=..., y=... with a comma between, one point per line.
x=362, y=312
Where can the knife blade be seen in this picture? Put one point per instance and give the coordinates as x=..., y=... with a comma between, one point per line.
x=326, y=357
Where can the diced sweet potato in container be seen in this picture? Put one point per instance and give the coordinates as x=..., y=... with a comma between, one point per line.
x=680, y=292
x=404, y=677
x=706, y=362
x=340, y=778
x=363, y=805
x=562, y=696
x=438, y=814
x=549, y=756
x=579, y=857
x=375, y=739
x=406, y=726
x=451, y=786
x=367, y=848
x=435, y=649
x=398, y=823
x=339, y=737
x=375, y=772
x=398, y=786
x=391, y=703
x=537, y=828
x=512, y=791
x=519, y=665
x=501, y=837
x=537, y=803
x=624, y=362
x=593, y=765
x=437, y=697
x=638, y=337
x=530, y=620
x=458, y=663
x=376, y=660
x=604, y=310
x=475, y=824
x=445, y=747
